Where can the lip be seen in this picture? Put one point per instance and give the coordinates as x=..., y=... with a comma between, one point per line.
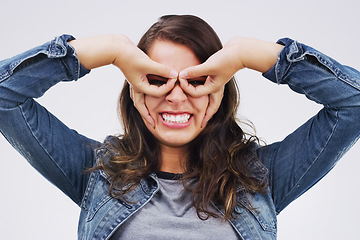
x=175, y=124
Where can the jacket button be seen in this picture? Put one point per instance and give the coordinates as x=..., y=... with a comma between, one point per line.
x=238, y=209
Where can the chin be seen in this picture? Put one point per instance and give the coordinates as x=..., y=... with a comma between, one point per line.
x=175, y=144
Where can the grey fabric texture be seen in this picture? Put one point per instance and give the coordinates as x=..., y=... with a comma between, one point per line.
x=170, y=215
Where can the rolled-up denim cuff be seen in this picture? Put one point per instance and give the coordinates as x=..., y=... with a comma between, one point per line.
x=59, y=47
x=292, y=52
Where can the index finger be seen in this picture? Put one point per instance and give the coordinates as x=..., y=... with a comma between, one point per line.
x=209, y=86
x=153, y=90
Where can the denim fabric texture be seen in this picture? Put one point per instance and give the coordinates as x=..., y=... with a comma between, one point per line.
x=61, y=154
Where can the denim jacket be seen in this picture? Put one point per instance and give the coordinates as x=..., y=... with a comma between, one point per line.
x=61, y=154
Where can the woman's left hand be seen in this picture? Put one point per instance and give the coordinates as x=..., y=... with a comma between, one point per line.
x=237, y=54
x=219, y=69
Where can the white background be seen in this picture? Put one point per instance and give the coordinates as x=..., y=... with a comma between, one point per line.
x=31, y=208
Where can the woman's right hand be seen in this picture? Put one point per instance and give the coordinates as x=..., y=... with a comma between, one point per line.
x=135, y=64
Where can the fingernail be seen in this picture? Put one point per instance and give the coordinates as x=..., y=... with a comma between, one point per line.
x=203, y=124
x=173, y=74
x=183, y=74
x=152, y=125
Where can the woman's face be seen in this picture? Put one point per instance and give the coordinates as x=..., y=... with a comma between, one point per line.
x=177, y=115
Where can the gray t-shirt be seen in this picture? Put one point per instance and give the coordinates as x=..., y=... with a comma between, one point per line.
x=170, y=215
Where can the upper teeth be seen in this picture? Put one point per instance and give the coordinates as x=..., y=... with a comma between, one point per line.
x=181, y=118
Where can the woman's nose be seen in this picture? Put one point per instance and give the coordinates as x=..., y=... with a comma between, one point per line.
x=176, y=95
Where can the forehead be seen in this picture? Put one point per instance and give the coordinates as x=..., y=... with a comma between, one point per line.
x=172, y=54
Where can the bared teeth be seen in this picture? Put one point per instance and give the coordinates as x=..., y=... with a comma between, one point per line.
x=178, y=118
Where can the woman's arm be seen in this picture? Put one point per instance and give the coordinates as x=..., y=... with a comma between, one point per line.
x=309, y=153
x=57, y=152
x=306, y=155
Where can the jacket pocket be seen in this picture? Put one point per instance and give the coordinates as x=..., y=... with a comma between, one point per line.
x=262, y=212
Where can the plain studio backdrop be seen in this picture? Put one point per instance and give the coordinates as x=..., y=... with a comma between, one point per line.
x=31, y=208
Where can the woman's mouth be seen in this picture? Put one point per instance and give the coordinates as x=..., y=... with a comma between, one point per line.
x=176, y=118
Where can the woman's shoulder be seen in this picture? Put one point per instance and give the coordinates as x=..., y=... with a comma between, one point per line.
x=108, y=146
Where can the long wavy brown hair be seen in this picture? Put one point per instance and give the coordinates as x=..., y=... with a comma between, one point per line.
x=222, y=165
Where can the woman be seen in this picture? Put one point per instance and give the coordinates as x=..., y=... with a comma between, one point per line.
x=183, y=164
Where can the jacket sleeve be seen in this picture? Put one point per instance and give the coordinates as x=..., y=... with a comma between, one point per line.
x=310, y=152
x=57, y=152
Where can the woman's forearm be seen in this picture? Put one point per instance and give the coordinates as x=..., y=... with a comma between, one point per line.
x=254, y=54
x=99, y=51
